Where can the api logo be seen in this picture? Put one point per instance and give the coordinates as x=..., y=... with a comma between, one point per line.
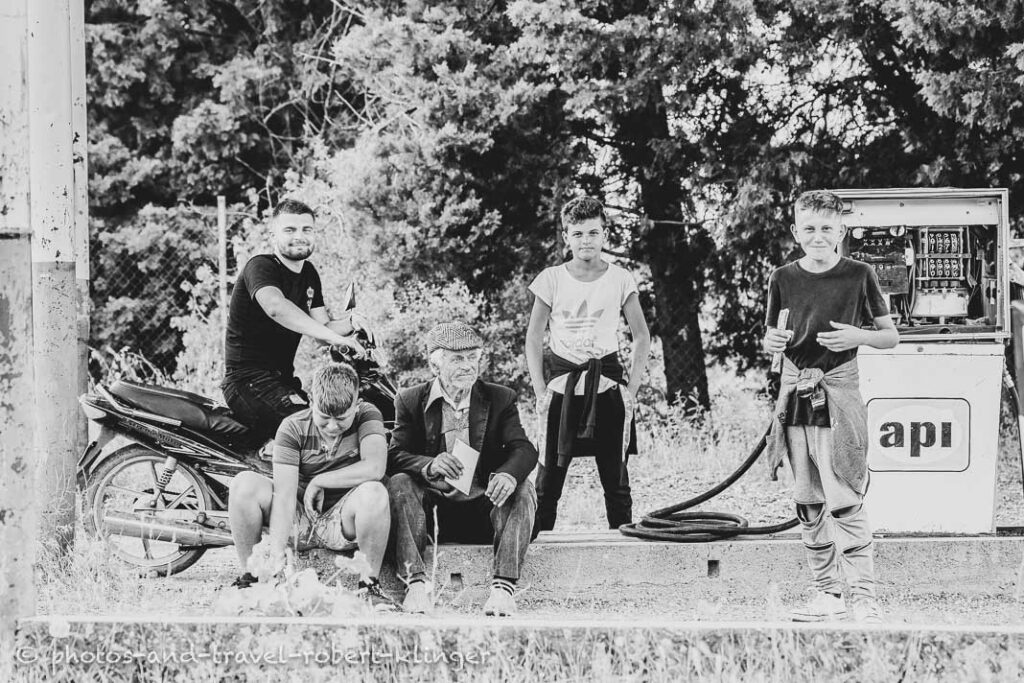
x=919, y=434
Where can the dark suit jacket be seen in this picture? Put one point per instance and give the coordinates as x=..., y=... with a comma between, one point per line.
x=494, y=430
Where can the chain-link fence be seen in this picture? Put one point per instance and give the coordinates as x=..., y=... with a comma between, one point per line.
x=156, y=294
x=151, y=275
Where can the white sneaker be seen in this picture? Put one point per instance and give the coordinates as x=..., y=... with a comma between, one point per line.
x=500, y=604
x=866, y=610
x=417, y=599
x=821, y=606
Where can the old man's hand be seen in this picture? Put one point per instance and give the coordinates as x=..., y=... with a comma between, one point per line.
x=501, y=486
x=445, y=465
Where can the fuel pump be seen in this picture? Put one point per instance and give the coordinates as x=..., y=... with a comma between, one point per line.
x=941, y=256
x=933, y=401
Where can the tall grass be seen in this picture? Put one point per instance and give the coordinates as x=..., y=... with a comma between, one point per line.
x=680, y=456
x=462, y=650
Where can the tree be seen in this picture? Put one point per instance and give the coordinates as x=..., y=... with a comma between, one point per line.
x=188, y=101
x=861, y=95
x=489, y=116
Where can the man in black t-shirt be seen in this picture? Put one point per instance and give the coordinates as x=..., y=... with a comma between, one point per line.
x=277, y=299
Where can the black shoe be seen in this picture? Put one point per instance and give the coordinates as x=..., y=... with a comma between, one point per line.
x=244, y=581
x=377, y=598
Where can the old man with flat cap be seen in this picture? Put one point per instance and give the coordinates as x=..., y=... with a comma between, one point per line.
x=443, y=429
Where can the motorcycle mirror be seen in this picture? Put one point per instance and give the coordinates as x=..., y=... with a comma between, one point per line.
x=348, y=300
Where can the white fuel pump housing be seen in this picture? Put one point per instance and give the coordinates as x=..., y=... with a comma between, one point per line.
x=933, y=401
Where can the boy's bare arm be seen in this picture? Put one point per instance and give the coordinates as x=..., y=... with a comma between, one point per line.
x=641, y=341
x=539, y=317
x=844, y=337
x=282, y=508
x=885, y=335
x=373, y=460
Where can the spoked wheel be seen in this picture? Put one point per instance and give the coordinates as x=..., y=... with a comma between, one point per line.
x=126, y=484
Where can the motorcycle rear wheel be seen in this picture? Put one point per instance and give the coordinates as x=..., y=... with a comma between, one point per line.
x=127, y=477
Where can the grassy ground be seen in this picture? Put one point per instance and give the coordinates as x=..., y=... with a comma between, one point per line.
x=677, y=460
x=401, y=649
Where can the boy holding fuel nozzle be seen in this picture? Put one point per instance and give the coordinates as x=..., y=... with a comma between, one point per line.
x=820, y=421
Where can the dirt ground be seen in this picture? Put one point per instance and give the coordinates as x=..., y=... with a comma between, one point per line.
x=94, y=583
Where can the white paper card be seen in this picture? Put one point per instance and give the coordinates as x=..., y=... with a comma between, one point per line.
x=468, y=456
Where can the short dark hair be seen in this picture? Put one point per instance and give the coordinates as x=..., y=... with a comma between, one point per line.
x=819, y=201
x=334, y=388
x=581, y=209
x=292, y=206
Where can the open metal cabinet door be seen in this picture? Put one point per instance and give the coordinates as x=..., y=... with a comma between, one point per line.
x=348, y=299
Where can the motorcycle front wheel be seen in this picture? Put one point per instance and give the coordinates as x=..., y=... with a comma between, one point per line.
x=126, y=483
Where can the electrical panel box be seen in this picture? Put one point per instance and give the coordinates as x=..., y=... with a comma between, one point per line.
x=941, y=256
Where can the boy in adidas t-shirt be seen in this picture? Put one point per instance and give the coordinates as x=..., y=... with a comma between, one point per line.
x=586, y=408
x=820, y=422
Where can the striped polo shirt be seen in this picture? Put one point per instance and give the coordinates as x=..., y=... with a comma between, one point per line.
x=298, y=442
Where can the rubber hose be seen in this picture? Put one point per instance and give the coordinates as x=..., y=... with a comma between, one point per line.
x=672, y=524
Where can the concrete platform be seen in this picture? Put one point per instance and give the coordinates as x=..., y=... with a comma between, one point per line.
x=469, y=649
x=604, y=565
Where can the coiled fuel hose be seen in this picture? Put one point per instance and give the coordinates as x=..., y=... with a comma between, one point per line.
x=673, y=524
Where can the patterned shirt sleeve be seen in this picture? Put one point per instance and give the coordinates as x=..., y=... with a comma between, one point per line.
x=369, y=420
x=287, y=444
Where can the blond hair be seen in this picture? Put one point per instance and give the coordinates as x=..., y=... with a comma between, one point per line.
x=819, y=201
x=334, y=388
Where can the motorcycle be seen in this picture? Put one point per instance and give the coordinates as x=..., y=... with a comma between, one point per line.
x=156, y=472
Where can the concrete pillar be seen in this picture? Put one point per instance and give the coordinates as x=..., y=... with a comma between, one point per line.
x=54, y=299
x=17, y=409
x=80, y=161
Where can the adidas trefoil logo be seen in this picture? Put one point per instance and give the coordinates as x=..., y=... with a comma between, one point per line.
x=581, y=326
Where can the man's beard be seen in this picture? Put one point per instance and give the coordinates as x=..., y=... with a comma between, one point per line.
x=296, y=253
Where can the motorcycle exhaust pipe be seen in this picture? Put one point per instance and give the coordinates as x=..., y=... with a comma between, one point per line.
x=171, y=531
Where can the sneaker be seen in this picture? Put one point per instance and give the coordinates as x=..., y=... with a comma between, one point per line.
x=244, y=581
x=417, y=599
x=377, y=598
x=500, y=604
x=866, y=610
x=821, y=606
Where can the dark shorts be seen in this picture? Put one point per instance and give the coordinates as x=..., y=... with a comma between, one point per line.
x=261, y=399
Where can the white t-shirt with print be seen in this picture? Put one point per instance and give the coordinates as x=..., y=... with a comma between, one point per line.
x=584, y=315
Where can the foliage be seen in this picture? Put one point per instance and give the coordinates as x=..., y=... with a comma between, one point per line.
x=885, y=93
x=199, y=367
x=439, y=140
x=137, y=272
x=188, y=101
x=109, y=365
x=291, y=592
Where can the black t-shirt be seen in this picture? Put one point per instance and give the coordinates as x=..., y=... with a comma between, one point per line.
x=254, y=341
x=846, y=293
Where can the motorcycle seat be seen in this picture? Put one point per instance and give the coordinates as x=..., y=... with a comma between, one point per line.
x=192, y=410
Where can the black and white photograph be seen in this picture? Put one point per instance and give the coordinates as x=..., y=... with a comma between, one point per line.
x=511, y=340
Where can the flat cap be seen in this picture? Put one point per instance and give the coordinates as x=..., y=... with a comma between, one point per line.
x=453, y=336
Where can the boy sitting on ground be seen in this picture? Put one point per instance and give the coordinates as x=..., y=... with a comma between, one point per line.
x=329, y=460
